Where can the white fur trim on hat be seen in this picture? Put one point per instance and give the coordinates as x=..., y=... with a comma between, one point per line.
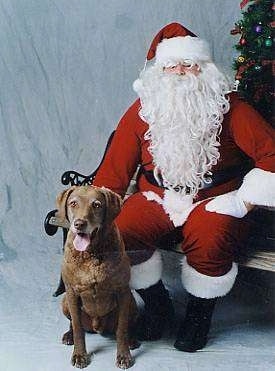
x=258, y=188
x=181, y=48
x=207, y=287
x=137, y=85
x=146, y=274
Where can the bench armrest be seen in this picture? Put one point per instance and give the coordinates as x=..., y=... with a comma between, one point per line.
x=74, y=178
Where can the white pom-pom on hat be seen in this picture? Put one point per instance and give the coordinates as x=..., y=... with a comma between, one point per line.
x=137, y=85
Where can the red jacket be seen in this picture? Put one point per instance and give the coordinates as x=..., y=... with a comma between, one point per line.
x=245, y=137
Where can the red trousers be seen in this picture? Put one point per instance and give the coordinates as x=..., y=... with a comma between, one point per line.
x=210, y=240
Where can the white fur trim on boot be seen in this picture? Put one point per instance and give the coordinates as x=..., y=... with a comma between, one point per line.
x=258, y=188
x=207, y=287
x=146, y=274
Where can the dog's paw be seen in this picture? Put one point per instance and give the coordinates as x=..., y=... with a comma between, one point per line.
x=80, y=360
x=68, y=338
x=124, y=360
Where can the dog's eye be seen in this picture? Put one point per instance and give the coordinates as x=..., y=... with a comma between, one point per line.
x=96, y=204
x=73, y=203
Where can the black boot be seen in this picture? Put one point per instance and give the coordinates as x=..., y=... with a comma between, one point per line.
x=158, y=312
x=193, y=331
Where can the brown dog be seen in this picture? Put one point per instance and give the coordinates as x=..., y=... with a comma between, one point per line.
x=96, y=273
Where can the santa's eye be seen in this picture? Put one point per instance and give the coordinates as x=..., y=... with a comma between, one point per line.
x=188, y=64
x=96, y=204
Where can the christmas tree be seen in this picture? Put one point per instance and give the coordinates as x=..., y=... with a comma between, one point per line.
x=255, y=65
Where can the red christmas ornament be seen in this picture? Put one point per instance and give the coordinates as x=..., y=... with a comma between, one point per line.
x=243, y=41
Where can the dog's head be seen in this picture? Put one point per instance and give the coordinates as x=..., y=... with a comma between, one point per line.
x=88, y=209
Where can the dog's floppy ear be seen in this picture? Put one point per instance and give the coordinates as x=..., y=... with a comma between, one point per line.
x=61, y=203
x=113, y=204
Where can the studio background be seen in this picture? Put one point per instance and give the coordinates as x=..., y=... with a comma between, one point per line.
x=66, y=73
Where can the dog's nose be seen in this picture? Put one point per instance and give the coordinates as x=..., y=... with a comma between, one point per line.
x=80, y=224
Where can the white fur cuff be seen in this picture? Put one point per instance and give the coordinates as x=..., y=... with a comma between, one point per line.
x=258, y=188
x=204, y=286
x=227, y=204
x=176, y=206
x=146, y=274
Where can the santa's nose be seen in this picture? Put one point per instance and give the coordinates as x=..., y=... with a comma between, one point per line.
x=180, y=69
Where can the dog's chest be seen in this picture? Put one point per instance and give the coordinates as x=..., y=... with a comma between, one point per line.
x=91, y=276
x=95, y=277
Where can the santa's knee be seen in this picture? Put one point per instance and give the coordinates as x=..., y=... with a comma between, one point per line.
x=208, y=269
x=211, y=254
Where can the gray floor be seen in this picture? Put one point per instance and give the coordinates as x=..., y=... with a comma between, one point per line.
x=242, y=335
x=241, y=338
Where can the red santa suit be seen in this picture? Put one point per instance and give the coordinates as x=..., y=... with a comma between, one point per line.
x=210, y=238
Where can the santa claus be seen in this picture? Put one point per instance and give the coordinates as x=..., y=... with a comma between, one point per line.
x=202, y=154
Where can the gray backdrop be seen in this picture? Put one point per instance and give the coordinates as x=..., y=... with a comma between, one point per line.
x=66, y=69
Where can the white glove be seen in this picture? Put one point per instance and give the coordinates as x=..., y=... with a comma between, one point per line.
x=228, y=204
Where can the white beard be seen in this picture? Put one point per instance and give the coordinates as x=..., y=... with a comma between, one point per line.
x=184, y=114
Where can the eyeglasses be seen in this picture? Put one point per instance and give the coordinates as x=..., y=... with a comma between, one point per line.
x=187, y=63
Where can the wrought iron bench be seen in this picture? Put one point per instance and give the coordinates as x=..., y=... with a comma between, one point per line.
x=260, y=251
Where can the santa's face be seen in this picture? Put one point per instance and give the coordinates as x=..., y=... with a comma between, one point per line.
x=183, y=68
x=184, y=111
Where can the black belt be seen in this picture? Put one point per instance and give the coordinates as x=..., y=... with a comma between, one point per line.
x=217, y=178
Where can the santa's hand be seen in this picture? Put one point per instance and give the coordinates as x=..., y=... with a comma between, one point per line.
x=228, y=204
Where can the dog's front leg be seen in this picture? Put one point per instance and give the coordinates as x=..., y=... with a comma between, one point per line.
x=124, y=359
x=80, y=357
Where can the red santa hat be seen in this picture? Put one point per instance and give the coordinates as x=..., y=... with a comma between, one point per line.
x=176, y=44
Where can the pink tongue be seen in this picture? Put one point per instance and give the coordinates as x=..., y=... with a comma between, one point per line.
x=81, y=242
